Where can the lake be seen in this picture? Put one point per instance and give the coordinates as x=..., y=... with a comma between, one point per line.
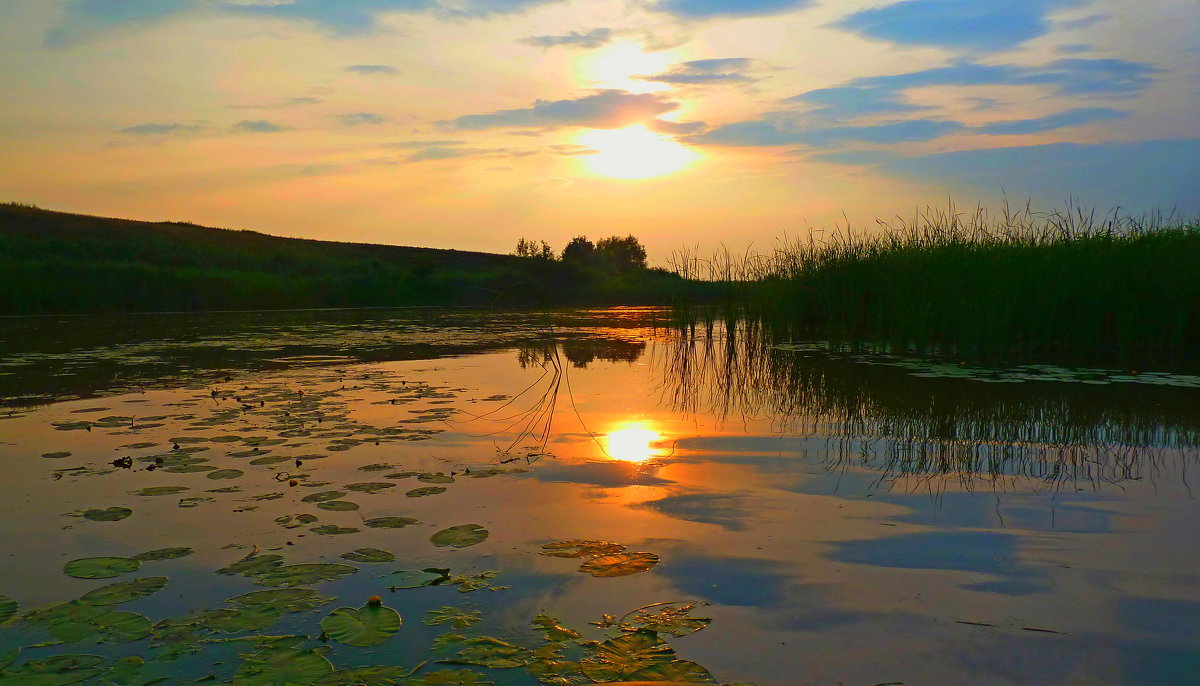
x=577, y=497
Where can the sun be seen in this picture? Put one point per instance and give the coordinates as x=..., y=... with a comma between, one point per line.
x=619, y=64
x=633, y=153
x=632, y=443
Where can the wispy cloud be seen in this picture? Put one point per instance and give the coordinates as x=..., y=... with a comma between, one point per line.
x=605, y=109
x=288, y=102
x=258, y=126
x=373, y=69
x=166, y=129
x=405, y=145
x=704, y=72
x=784, y=129
x=974, y=25
x=360, y=118
x=708, y=9
x=594, y=38
x=1071, y=117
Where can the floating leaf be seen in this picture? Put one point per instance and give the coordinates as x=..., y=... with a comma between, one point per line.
x=425, y=490
x=550, y=627
x=225, y=474
x=665, y=618
x=295, y=521
x=298, y=575
x=282, y=667
x=372, y=555
x=578, y=548
x=193, y=501
x=621, y=657
x=370, y=487
x=189, y=469
x=333, y=530
x=163, y=554
x=285, y=600
x=56, y=455
x=430, y=576
x=107, y=627
x=473, y=582
x=338, y=505
x=492, y=652
x=390, y=522
x=366, y=676
x=8, y=608
x=436, y=478
x=450, y=677
x=675, y=670
x=460, y=536
x=125, y=591
x=248, y=618
x=252, y=565
x=125, y=671
x=108, y=514
x=362, y=627
x=161, y=490
x=456, y=617
x=58, y=670
x=100, y=567
x=619, y=564
x=323, y=496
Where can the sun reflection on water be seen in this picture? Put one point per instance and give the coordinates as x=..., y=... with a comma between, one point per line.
x=633, y=442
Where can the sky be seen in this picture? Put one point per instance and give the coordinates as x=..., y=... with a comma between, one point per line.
x=688, y=123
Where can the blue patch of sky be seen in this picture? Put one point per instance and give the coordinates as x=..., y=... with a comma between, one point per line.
x=707, y=9
x=1059, y=120
x=605, y=109
x=784, y=130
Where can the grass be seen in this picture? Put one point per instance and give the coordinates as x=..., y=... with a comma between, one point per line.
x=977, y=287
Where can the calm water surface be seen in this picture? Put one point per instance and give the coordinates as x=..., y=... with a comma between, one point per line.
x=840, y=519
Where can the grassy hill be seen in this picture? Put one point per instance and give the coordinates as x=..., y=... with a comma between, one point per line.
x=55, y=262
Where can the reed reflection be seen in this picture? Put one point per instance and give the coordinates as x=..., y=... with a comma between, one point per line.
x=883, y=417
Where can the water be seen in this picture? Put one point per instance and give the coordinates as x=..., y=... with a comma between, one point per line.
x=840, y=519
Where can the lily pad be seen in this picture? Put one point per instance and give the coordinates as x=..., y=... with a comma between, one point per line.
x=456, y=617
x=459, y=536
x=58, y=670
x=161, y=490
x=370, y=487
x=163, y=554
x=285, y=600
x=322, y=496
x=301, y=574
x=492, y=652
x=390, y=522
x=108, y=514
x=57, y=455
x=362, y=627
x=450, y=677
x=333, y=530
x=579, y=548
x=282, y=666
x=338, y=505
x=619, y=564
x=366, y=676
x=552, y=630
x=673, y=671
x=672, y=618
x=425, y=490
x=100, y=567
x=619, y=658
x=225, y=474
x=371, y=555
x=108, y=627
x=125, y=591
x=405, y=578
x=436, y=478
x=8, y=608
x=252, y=565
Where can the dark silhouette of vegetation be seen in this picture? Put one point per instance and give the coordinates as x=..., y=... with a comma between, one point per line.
x=55, y=262
x=1060, y=286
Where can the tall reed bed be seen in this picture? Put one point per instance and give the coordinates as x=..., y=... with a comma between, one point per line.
x=978, y=286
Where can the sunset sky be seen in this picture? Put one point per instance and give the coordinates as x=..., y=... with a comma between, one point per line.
x=471, y=123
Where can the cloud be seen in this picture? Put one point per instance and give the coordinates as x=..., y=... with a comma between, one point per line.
x=172, y=129
x=1072, y=117
x=782, y=129
x=575, y=39
x=708, y=9
x=344, y=17
x=373, y=69
x=289, y=102
x=1141, y=176
x=846, y=102
x=404, y=145
x=698, y=72
x=976, y=25
x=257, y=126
x=1075, y=76
x=360, y=118
x=606, y=109
x=672, y=128
x=84, y=19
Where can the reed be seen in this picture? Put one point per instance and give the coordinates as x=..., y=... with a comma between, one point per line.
x=978, y=286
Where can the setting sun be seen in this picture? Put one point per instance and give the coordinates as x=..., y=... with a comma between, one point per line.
x=634, y=153
x=633, y=443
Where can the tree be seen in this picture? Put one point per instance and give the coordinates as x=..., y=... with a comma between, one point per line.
x=535, y=249
x=622, y=254
x=579, y=251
